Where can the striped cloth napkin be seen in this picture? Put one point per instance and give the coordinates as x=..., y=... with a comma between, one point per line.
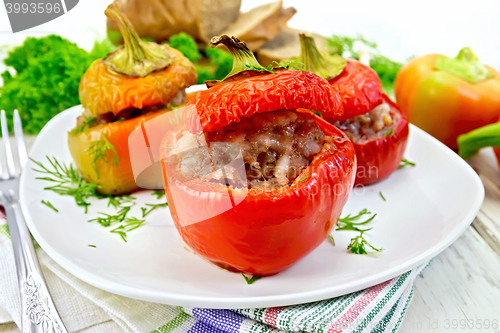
x=84, y=308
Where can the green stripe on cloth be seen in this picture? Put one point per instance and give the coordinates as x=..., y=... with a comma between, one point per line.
x=4, y=229
x=400, y=320
x=382, y=303
x=383, y=326
x=173, y=324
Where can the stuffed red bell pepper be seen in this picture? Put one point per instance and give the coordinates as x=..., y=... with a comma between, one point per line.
x=377, y=127
x=253, y=181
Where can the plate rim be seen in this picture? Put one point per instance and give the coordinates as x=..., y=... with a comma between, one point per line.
x=252, y=301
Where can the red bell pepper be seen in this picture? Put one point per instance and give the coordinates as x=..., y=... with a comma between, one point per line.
x=261, y=231
x=361, y=91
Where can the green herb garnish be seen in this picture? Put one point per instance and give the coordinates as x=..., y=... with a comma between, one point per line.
x=42, y=78
x=252, y=279
x=90, y=245
x=159, y=193
x=146, y=211
x=302, y=179
x=350, y=222
x=87, y=122
x=332, y=240
x=386, y=68
x=48, y=204
x=382, y=196
x=405, y=163
x=358, y=245
x=132, y=223
x=388, y=133
x=99, y=150
x=121, y=231
x=67, y=181
x=107, y=219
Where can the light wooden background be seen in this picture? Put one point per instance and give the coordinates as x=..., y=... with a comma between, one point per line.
x=462, y=285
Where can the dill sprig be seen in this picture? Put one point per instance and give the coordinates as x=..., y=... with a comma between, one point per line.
x=382, y=196
x=159, y=194
x=130, y=223
x=87, y=122
x=99, y=150
x=146, y=210
x=405, y=163
x=67, y=180
x=358, y=243
x=48, y=204
x=108, y=219
x=252, y=279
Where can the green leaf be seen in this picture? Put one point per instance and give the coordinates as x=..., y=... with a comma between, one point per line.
x=48, y=204
x=405, y=163
x=252, y=279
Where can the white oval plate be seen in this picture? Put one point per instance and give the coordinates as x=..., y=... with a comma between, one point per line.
x=427, y=208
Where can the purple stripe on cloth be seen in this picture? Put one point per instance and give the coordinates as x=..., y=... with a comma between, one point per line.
x=224, y=320
x=201, y=327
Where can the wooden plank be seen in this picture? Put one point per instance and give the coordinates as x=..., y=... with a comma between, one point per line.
x=487, y=223
x=461, y=286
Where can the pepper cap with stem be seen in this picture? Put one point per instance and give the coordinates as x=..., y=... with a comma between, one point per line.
x=323, y=64
x=470, y=143
x=465, y=65
x=135, y=58
x=244, y=62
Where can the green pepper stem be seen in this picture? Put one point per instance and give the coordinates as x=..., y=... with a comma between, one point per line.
x=243, y=57
x=465, y=65
x=136, y=58
x=325, y=65
x=470, y=143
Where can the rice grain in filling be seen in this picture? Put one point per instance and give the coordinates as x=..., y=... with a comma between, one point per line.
x=375, y=124
x=275, y=147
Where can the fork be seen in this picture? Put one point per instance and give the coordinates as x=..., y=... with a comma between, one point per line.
x=38, y=312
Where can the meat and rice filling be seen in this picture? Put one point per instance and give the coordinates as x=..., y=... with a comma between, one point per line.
x=275, y=147
x=131, y=113
x=378, y=123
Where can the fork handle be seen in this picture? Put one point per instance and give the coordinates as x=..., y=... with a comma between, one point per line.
x=38, y=313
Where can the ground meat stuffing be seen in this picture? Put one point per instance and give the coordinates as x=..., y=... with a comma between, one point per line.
x=275, y=146
x=377, y=123
x=131, y=113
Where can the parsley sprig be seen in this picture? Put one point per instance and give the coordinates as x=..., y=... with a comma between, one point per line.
x=358, y=244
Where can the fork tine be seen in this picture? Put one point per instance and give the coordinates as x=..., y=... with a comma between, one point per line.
x=21, y=145
x=6, y=144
